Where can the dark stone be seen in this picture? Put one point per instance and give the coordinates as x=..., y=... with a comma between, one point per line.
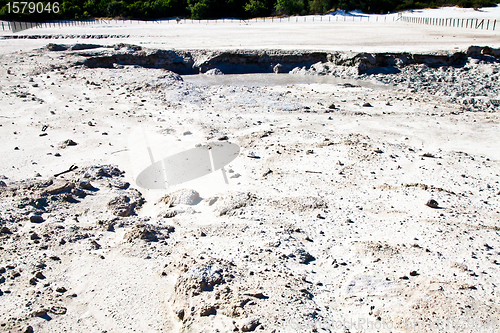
x=61, y=290
x=36, y=219
x=180, y=314
x=78, y=47
x=39, y=313
x=432, y=203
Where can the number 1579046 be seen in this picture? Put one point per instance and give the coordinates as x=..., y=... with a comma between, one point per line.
x=32, y=7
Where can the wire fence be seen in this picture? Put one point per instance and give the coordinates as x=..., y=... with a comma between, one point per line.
x=472, y=23
x=308, y=18
x=18, y=26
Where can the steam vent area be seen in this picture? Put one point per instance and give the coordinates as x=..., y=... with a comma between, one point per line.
x=195, y=177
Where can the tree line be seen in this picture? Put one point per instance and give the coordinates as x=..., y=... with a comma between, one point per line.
x=208, y=9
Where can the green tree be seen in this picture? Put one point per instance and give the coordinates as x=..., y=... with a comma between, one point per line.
x=206, y=9
x=138, y=9
x=168, y=8
x=256, y=8
x=319, y=6
x=116, y=8
x=290, y=7
x=200, y=10
x=70, y=10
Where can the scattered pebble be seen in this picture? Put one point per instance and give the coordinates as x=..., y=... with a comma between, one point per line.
x=67, y=143
x=267, y=172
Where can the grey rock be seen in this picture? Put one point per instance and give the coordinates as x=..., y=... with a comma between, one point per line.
x=278, y=68
x=181, y=197
x=58, y=310
x=125, y=205
x=249, y=324
x=57, y=47
x=144, y=232
x=67, y=143
x=79, y=46
x=214, y=71
x=207, y=310
x=303, y=256
x=101, y=171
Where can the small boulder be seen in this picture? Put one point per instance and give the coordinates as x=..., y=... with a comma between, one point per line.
x=181, y=197
x=249, y=324
x=207, y=310
x=214, y=71
x=121, y=205
x=142, y=231
x=124, y=205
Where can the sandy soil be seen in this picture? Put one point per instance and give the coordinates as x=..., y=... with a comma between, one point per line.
x=326, y=223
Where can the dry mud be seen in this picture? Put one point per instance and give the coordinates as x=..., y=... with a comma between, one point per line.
x=326, y=223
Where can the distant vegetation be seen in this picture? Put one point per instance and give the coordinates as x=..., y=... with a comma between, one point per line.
x=209, y=9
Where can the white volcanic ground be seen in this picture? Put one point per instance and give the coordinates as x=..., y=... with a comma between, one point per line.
x=323, y=226
x=381, y=33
